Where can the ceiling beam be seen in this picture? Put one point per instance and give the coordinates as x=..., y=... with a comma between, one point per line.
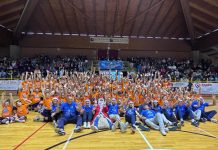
x=17, y=9
x=211, y=2
x=144, y=19
x=95, y=17
x=202, y=9
x=25, y=16
x=9, y=19
x=208, y=41
x=51, y=7
x=65, y=16
x=124, y=22
x=85, y=20
x=7, y=2
x=209, y=22
x=105, y=17
x=164, y=18
x=115, y=16
x=136, y=14
x=188, y=19
x=148, y=31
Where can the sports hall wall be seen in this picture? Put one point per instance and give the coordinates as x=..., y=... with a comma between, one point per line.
x=71, y=45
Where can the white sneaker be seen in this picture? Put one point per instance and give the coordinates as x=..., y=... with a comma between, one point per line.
x=88, y=125
x=166, y=130
x=163, y=132
x=122, y=127
x=94, y=128
x=213, y=120
x=84, y=125
x=114, y=126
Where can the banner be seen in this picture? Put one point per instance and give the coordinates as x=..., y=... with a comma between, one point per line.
x=179, y=84
x=9, y=84
x=113, y=74
x=123, y=40
x=206, y=88
x=110, y=65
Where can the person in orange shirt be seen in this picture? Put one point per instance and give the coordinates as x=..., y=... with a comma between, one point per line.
x=24, y=97
x=21, y=111
x=36, y=97
x=7, y=110
x=45, y=108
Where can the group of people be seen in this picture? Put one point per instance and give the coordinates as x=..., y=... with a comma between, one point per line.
x=178, y=70
x=98, y=102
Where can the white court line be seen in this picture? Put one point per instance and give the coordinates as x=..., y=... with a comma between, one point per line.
x=68, y=140
x=207, y=132
x=145, y=139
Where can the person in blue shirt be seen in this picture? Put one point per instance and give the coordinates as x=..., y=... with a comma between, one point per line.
x=154, y=120
x=156, y=107
x=207, y=116
x=196, y=111
x=69, y=114
x=55, y=111
x=183, y=111
x=130, y=115
x=87, y=113
x=113, y=112
x=146, y=102
x=168, y=112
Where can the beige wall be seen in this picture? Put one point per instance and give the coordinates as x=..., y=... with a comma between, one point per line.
x=74, y=45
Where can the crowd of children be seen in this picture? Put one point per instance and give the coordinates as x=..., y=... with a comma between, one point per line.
x=98, y=102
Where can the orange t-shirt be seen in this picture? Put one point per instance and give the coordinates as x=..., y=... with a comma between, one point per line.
x=22, y=110
x=36, y=97
x=7, y=111
x=23, y=96
x=47, y=103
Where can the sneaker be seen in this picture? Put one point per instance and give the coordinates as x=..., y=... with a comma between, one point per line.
x=213, y=120
x=7, y=122
x=179, y=126
x=88, y=125
x=163, y=132
x=195, y=123
x=36, y=119
x=133, y=129
x=122, y=127
x=144, y=128
x=182, y=123
x=173, y=128
x=203, y=119
x=114, y=126
x=60, y=131
x=126, y=124
x=77, y=129
x=84, y=125
x=94, y=128
x=166, y=130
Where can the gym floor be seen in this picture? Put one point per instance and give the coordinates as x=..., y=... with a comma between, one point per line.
x=38, y=135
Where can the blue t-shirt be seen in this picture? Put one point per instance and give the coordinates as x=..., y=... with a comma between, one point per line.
x=113, y=109
x=130, y=111
x=182, y=108
x=148, y=113
x=203, y=105
x=195, y=102
x=169, y=111
x=157, y=109
x=87, y=108
x=54, y=107
x=68, y=110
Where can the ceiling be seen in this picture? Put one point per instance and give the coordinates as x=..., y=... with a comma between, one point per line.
x=146, y=18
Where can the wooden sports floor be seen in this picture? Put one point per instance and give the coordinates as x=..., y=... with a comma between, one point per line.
x=38, y=136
